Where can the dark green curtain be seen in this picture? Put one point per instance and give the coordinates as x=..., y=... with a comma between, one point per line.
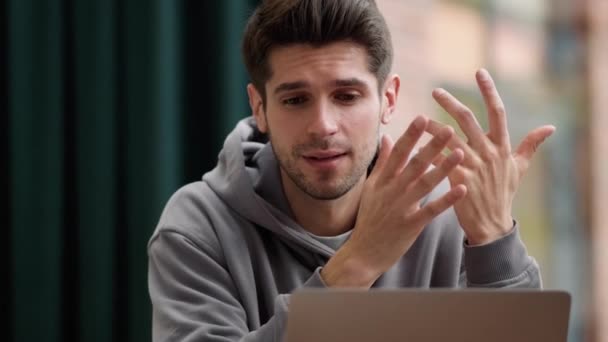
x=110, y=107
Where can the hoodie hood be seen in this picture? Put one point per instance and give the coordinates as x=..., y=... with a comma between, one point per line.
x=248, y=180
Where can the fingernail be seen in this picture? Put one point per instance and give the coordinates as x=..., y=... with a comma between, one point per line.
x=419, y=122
x=483, y=74
x=454, y=156
x=438, y=92
x=446, y=133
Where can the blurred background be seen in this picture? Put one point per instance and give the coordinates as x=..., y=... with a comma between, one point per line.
x=110, y=106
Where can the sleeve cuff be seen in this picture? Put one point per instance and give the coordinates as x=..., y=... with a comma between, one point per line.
x=281, y=305
x=502, y=259
x=315, y=280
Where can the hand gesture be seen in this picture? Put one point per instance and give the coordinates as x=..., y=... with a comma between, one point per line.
x=390, y=217
x=491, y=171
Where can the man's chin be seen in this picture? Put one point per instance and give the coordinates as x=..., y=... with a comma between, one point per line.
x=320, y=185
x=325, y=192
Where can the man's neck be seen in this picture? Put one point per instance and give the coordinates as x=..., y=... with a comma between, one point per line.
x=323, y=217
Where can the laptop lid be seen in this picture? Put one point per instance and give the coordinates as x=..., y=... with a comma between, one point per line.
x=468, y=315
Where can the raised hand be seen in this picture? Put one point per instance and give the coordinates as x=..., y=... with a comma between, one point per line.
x=491, y=171
x=390, y=217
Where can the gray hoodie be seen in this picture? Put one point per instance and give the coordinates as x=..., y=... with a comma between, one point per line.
x=226, y=253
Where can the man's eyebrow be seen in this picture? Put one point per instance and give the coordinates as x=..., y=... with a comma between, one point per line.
x=346, y=82
x=290, y=86
x=349, y=82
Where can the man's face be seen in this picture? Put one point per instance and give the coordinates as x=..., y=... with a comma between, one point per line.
x=323, y=112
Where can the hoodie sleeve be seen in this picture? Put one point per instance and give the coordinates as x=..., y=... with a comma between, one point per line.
x=194, y=299
x=502, y=263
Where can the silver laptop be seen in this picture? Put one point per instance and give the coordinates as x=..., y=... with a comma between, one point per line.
x=428, y=316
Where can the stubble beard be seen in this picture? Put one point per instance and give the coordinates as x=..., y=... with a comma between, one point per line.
x=321, y=188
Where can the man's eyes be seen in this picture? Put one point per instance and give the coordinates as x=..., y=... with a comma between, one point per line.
x=344, y=98
x=294, y=101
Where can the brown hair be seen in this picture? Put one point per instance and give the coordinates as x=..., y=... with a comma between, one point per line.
x=316, y=22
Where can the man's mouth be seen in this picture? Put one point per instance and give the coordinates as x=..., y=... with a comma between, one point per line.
x=324, y=159
x=325, y=155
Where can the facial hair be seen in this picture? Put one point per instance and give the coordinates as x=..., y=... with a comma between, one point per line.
x=319, y=186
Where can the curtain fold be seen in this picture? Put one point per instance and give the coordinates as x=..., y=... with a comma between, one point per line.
x=5, y=219
x=111, y=106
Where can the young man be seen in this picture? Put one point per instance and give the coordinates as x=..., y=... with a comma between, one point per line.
x=307, y=193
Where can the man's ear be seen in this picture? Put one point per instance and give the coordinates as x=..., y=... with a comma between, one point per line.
x=389, y=97
x=257, y=107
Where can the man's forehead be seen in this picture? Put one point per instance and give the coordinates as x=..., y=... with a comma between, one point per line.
x=341, y=63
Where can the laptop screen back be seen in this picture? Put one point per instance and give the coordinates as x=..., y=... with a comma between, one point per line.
x=428, y=315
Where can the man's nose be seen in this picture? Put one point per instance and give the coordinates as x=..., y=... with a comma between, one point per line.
x=324, y=121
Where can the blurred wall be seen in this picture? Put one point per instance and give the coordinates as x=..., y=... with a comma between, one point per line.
x=597, y=13
x=537, y=52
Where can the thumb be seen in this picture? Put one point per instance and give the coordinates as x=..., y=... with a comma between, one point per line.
x=526, y=149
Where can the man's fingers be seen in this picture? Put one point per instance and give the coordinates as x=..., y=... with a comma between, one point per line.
x=429, y=181
x=384, y=151
x=440, y=158
x=463, y=116
x=497, y=116
x=419, y=163
x=530, y=144
x=404, y=146
x=455, y=142
x=425, y=214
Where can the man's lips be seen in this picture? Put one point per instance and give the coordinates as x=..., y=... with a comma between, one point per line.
x=324, y=155
x=324, y=160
